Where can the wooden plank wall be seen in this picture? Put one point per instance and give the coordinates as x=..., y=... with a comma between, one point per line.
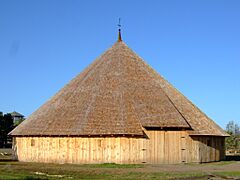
x=80, y=150
x=205, y=149
x=161, y=147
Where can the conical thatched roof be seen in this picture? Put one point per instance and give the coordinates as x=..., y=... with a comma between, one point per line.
x=118, y=94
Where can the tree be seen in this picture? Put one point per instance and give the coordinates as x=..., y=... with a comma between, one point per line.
x=1, y=129
x=6, y=125
x=233, y=128
x=237, y=129
x=233, y=142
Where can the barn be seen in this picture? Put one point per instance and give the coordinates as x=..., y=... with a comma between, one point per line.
x=119, y=110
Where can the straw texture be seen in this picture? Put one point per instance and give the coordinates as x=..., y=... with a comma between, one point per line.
x=118, y=94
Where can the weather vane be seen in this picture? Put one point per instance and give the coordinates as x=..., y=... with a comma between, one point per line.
x=119, y=30
x=119, y=23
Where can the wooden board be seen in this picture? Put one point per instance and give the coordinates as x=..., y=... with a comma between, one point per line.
x=159, y=147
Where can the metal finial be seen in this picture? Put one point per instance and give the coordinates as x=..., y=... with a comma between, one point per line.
x=119, y=30
x=119, y=23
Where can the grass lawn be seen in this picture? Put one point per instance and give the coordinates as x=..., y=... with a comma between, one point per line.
x=21, y=170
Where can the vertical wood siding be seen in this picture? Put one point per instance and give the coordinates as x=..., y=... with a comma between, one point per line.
x=161, y=147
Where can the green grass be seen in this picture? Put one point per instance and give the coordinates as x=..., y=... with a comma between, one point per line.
x=21, y=170
x=130, y=175
x=229, y=173
x=162, y=175
x=19, y=176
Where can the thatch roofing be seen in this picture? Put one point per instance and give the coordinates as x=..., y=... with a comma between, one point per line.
x=118, y=94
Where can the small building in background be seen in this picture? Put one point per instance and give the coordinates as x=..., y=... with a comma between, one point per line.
x=17, y=117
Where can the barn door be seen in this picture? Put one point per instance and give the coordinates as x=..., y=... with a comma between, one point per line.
x=183, y=148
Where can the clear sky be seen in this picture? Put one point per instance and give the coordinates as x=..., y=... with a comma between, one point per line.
x=194, y=44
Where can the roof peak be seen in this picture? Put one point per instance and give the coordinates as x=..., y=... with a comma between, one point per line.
x=117, y=94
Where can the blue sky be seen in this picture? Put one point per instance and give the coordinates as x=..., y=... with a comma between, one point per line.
x=194, y=44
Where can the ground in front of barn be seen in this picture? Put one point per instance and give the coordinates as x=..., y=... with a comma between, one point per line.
x=22, y=170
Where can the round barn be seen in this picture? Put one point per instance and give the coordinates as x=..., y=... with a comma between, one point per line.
x=119, y=110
